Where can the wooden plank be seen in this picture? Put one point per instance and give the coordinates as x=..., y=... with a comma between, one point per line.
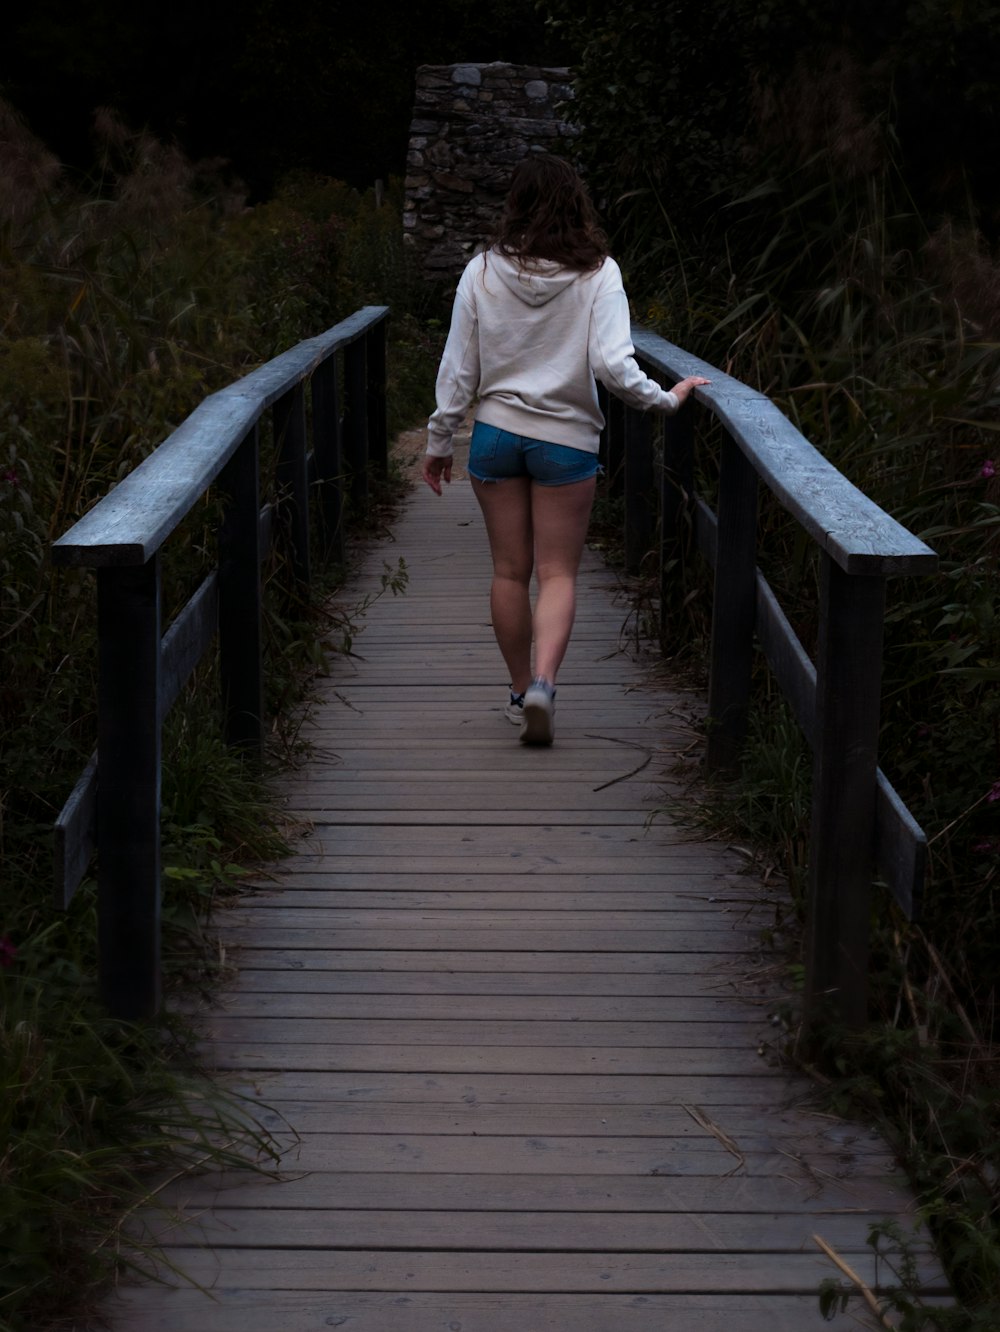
x=493, y=941
x=790, y=1191
x=156, y=1309
x=373, y=1269
x=536, y=987
x=485, y=1033
x=475, y=1154
x=900, y=848
x=187, y=640
x=715, y=970
x=563, y=1061
x=458, y=916
x=75, y=839
x=511, y=1232
x=252, y=1004
x=685, y=892
x=461, y=1116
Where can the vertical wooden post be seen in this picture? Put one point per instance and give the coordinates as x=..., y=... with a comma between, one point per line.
x=733, y=609
x=293, y=478
x=128, y=792
x=639, y=495
x=329, y=462
x=240, y=636
x=603, y=402
x=615, y=432
x=356, y=423
x=378, y=438
x=676, y=511
x=842, y=840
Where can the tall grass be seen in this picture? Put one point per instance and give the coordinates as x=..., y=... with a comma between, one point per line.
x=123, y=301
x=880, y=338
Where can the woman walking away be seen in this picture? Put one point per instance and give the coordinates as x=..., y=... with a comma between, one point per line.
x=536, y=317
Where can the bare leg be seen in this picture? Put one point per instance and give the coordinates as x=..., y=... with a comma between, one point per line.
x=506, y=507
x=560, y=515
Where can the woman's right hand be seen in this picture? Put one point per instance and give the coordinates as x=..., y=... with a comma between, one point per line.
x=436, y=470
x=684, y=388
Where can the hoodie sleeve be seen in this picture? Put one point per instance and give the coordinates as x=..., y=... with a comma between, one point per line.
x=612, y=355
x=458, y=373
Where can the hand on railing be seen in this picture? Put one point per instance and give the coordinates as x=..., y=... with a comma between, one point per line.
x=684, y=388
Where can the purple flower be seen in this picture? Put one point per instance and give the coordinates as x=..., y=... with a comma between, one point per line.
x=988, y=469
x=7, y=952
x=12, y=478
x=994, y=793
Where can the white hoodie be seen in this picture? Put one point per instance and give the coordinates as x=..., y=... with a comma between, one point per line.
x=529, y=340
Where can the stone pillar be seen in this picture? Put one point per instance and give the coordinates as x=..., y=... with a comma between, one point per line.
x=472, y=124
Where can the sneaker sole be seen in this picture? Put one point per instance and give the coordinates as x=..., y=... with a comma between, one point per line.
x=537, y=728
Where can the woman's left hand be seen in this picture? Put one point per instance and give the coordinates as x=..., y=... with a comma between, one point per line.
x=437, y=470
x=684, y=389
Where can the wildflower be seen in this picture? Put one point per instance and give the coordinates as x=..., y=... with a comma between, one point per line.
x=12, y=478
x=994, y=793
x=988, y=469
x=7, y=952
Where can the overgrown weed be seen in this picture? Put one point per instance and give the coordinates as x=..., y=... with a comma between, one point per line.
x=125, y=300
x=877, y=337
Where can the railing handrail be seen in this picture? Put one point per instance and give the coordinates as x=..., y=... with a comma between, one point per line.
x=858, y=821
x=133, y=521
x=115, y=805
x=841, y=519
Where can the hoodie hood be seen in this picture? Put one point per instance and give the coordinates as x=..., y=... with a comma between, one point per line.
x=535, y=281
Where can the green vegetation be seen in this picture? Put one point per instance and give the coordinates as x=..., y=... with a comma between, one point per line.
x=829, y=235
x=125, y=300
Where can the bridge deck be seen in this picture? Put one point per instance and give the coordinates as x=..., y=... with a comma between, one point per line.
x=521, y=1031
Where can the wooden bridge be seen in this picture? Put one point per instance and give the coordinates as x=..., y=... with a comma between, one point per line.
x=509, y=1014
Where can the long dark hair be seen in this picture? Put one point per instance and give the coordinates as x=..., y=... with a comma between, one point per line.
x=548, y=215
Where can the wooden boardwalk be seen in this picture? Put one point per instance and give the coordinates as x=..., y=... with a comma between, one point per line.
x=521, y=1031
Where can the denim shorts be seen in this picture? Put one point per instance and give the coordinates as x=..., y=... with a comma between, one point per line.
x=497, y=455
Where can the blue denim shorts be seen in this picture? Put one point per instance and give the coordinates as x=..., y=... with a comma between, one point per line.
x=497, y=455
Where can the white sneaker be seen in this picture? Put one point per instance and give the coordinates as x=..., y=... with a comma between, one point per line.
x=539, y=713
x=514, y=711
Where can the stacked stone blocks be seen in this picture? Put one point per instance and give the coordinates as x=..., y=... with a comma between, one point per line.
x=472, y=124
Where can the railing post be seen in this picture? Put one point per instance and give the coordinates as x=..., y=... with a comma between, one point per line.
x=615, y=434
x=842, y=839
x=378, y=437
x=676, y=511
x=240, y=637
x=293, y=479
x=128, y=792
x=639, y=511
x=329, y=461
x=733, y=609
x=356, y=422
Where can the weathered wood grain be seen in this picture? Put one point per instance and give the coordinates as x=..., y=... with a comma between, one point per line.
x=242, y=1311
x=134, y=520
x=843, y=521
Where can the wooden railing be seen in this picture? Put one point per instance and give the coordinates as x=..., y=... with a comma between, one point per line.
x=858, y=821
x=115, y=805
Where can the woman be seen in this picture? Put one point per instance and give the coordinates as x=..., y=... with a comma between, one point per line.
x=536, y=317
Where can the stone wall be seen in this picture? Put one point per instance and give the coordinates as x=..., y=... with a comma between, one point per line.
x=472, y=124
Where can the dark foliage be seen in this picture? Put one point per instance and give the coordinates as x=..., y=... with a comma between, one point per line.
x=269, y=86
